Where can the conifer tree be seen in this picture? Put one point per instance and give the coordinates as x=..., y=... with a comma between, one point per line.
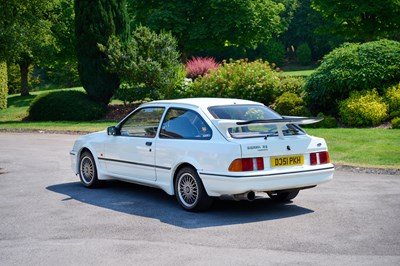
x=95, y=22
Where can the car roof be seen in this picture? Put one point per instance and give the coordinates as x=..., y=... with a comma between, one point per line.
x=203, y=103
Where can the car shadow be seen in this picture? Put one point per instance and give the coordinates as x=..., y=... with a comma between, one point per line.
x=156, y=204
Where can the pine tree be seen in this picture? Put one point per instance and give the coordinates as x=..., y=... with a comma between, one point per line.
x=95, y=22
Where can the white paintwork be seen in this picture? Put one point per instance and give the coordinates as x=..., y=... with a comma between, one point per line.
x=211, y=158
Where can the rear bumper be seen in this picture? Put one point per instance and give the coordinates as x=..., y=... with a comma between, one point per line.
x=217, y=184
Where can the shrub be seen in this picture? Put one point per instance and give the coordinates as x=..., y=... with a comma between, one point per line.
x=304, y=54
x=239, y=79
x=65, y=106
x=363, y=109
x=395, y=123
x=392, y=98
x=290, y=103
x=3, y=85
x=291, y=84
x=328, y=122
x=199, y=66
x=353, y=67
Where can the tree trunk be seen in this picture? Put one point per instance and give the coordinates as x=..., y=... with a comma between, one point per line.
x=24, y=69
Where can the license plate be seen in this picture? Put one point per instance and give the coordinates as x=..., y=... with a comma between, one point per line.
x=287, y=160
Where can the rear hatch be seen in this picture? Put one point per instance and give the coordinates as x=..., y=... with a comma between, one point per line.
x=275, y=144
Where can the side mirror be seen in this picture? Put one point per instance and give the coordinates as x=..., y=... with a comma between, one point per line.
x=112, y=131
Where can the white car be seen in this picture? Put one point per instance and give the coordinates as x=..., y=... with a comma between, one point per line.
x=201, y=148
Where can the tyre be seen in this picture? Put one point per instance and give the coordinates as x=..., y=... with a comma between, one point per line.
x=283, y=196
x=88, y=170
x=190, y=192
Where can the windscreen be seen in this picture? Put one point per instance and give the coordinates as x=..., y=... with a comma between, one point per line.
x=252, y=113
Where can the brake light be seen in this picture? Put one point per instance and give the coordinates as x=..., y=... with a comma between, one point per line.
x=319, y=158
x=247, y=164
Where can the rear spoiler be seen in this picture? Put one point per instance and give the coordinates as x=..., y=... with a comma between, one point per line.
x=280, y=122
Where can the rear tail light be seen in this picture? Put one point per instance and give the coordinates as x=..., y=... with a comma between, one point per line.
x=319, y=158
x=247, y=164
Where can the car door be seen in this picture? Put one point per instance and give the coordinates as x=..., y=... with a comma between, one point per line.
x=130, y=154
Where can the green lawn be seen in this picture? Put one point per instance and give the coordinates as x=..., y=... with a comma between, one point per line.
x=298, y=73
x=347, y=146
x=367, y=147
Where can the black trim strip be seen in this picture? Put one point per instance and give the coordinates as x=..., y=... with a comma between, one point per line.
x=286, y=173
x=134, y=163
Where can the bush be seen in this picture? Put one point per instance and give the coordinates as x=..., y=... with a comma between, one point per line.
x=65, y=106
x=328, y=122
x=395, y=123
x=199, y=66
x=290, y=104
x=291, y=84
x=392, y=98
x=239, y=79
x=363, y=109
x=304, y=54
x=3, y=85
x=353, y=67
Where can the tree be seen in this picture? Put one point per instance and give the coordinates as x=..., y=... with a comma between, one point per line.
x=62, y=67
x=149, y=65
x=25, y=34
x=95, y=22
x=210, y=24
x=303, y=29
x=361, y=20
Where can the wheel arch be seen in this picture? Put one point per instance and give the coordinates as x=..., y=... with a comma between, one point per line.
x=176, y=171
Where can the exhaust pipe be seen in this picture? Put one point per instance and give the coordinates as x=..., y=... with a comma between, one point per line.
x=250, y=196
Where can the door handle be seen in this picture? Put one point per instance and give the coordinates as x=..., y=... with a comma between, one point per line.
x=149, y=143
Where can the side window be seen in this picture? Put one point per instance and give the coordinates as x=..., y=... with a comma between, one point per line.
x=143, y=123
x=184, y=124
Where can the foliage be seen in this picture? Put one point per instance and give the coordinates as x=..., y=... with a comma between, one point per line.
x=395, y=123
x=149, y=63
x=61, y=68
x=303, y=54
x=3, y=85
x=65, y=106
x=291, y=84
x=303, y=29
x=95, y=22
x=361, y=20
x=209, y=24
x=272, y=51
x=290, y=104
x=25, y=34
x=353, y=67
x=328, y=122
x=239, y=79
x=14, y=78
x=392, y=98
x=199, y=66
x=364, y=108
x=129, y=93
